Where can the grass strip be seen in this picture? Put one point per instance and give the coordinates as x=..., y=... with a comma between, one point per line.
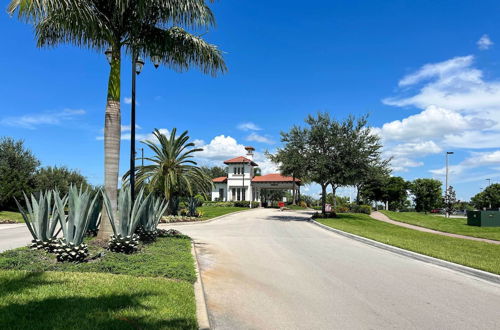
x=474, y=254
x=448, y=225
x=11, y=216
x=62, y=300
x=167, y=257
x=210, y=212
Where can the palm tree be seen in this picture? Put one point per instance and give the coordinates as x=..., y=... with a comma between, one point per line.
x=150, y=28
x=172, y=170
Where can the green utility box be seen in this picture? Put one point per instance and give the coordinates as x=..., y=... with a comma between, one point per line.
x=483, y=218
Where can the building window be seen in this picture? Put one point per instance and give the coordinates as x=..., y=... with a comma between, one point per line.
x=243, y=190
x=238, y=192
x=221, y=194
x=234, y=194
x=235, y=169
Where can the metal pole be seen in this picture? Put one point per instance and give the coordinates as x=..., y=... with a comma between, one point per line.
x=132, y=130
x=142, y=157
x=446, y=185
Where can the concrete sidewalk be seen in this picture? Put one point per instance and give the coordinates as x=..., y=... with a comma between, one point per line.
x=382, y=217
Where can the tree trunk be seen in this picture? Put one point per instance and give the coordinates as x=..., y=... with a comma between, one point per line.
x=334, y=191
x=357, y=194
x=112, y=135
x=323, y=198
x=293, y=185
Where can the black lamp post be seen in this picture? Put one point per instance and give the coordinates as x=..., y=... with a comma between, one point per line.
x=137, y=64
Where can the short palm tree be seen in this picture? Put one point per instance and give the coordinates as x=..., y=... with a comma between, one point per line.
x=172, y=170
x=149, y=28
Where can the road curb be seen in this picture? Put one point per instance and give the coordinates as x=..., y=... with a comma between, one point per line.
x=490, y=277
x=199, y=294
x=205, y=221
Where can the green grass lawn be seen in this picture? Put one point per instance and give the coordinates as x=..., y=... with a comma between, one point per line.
x=474, y=254
x=152, y=289
x=449, y=225
x=210, y=212
x=167, y=257
x=60, y=300
x=11, y=216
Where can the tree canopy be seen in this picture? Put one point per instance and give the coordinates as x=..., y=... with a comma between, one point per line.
x=59, y=178
x=489, y=198
x=330, y=152
x=17, y=172
x=427, y=194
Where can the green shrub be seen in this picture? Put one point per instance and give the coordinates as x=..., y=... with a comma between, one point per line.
x=231, y=204
x=355, y=208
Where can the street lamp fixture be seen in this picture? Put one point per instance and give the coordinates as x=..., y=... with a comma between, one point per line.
x=139, y=63
x=156, y=61
x=109, y=54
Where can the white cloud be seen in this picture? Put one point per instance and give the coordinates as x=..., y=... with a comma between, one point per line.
x=259, y=138
x=145, y=137
x=249, y=126
x=127, y=128
x=128, y=100
x=459, y=110
x=484, y=43
x=441, y=69
x=223, y=147
x=31, y=121
x=415, y=149
x=430, y=123
x=476, y=160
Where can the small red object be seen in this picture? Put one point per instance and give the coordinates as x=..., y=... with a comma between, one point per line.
x=281, y=204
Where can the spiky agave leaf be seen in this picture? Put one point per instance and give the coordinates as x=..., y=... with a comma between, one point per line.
x=155, y=209
x=127, y=218
x=39, y=218
x=80, y=210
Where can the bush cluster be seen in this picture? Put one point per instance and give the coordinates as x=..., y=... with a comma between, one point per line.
x=230, y=204
x=355, y=208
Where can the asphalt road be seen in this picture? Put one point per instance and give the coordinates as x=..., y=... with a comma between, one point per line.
x=13, y=236
x=266, y=269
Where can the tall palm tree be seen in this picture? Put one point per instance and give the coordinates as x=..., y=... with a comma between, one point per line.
x=172, y=170
x=150, y=28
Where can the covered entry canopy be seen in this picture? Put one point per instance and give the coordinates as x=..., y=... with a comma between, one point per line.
x=276, y=181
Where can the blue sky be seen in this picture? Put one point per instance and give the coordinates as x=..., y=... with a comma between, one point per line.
x=417, y=67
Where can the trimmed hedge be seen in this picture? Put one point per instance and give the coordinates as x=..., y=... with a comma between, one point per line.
x=231, y=204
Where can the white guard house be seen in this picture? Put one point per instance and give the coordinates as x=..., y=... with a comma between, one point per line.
x=241, y=184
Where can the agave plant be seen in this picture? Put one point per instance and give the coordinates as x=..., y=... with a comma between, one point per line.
x=192, y=204
x=125, y=220
x=74, y=225
x=148, y=228
x=40, y=220
x=95, y=217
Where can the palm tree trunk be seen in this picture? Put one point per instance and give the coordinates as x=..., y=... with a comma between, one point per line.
x=112, y=135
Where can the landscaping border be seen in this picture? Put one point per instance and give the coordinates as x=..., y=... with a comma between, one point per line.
x=199, y=294
x=490, y=277
x=205, y=221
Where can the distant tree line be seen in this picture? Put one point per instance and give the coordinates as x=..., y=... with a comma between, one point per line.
x=20, y=172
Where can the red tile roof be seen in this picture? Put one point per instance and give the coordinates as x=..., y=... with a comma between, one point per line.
x=220, y=179
x=240, y=160
x=274, y=178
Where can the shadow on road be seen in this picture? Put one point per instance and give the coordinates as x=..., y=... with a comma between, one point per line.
x=286, y=217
